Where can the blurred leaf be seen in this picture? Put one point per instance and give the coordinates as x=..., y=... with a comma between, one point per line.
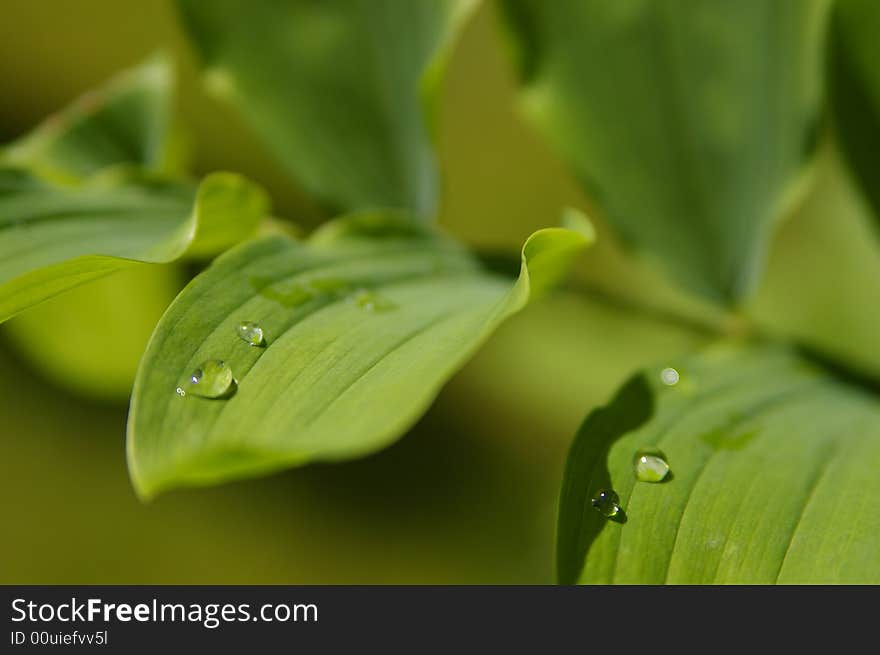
x=84, y=194
x=688, y=121
x=823, y=274
x=55, y=238
x=854, y=83
x=90, y=339
x=127, y=121
x=363, y=323
x=773, y=477
x=341, y=90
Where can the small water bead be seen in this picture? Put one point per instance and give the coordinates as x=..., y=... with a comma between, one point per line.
x=607, y=503
x=250, y=333
x=372, y=302
x=212, y=379
x=180, y=392
x=650, y=465
x=669, y=377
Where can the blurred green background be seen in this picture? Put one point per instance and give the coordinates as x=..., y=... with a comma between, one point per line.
x=470, y=494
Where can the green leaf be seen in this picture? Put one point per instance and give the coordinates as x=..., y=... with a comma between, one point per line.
x=854, y=89
x=90, y=339
x=363, y=323
x=54, y=238
x=689, y=122
x=127, y=121
x=341, y=90
x=90, y=192
x=773, y=463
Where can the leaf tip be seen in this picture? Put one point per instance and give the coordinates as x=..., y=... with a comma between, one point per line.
x=549, y=253
x=577, y=221
x=228, y=208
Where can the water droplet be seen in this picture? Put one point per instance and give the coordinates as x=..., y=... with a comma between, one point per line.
x=250, y=333
x=607, y=503
x=372, y=302
x=669, y=377
x=650, y=465
x=212, y=379
x=180, y=392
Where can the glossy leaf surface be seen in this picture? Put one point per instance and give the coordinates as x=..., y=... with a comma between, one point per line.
x=362, y=325
x=773, y=477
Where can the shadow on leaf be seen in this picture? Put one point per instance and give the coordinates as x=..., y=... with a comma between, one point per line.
x=586, y=470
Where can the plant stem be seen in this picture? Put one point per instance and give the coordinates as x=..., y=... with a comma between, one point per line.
x=735, y=325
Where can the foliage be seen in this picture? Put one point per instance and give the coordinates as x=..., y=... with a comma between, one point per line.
x=683, y=152
x=772, y=481
x=363, y=323
x=692, y=126
x=86, y=194
x=343, y=91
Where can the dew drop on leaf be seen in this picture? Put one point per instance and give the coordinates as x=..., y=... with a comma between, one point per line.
x=650, y=465
x=212, y=379
x=606, y=502
x=250, y=333
x=669, y=377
